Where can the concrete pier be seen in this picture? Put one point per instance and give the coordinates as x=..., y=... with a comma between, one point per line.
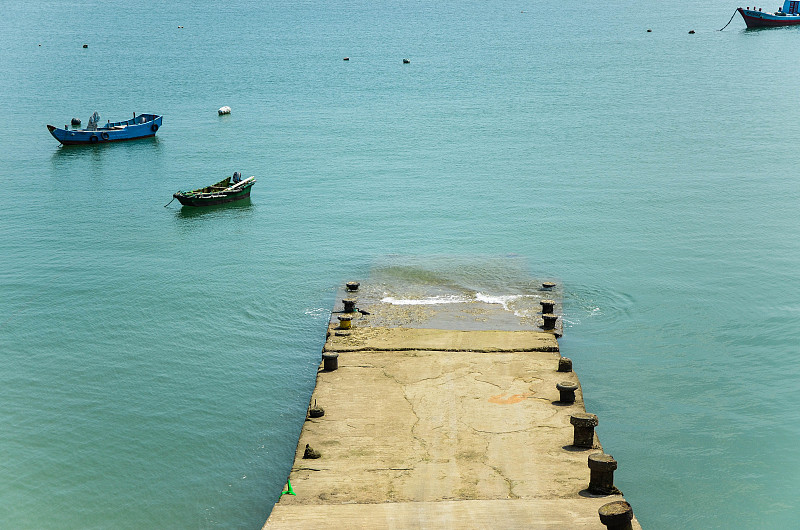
x=435, y=427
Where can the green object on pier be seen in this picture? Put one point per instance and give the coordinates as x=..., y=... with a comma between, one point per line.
x=290, y=491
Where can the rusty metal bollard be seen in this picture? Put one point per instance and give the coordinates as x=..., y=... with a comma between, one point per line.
x=565, y=364
x=349, y=305
x=345, y=321
x=547, y=286
x=315, y=411
x=616, y=515
x=567, y=389
x=352, y=286
x=311, y=453
x=547, y=306
x=330, y=361
x=549, y=321
x=584, y=425
x=601, y=476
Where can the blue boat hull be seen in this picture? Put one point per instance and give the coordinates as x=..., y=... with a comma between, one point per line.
x=142, y=126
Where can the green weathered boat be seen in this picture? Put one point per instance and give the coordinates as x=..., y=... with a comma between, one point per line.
x=220, y=193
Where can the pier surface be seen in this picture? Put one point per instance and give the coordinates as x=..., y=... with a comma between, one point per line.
x=440, y=428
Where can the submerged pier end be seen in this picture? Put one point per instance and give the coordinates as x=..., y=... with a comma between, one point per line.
x=460, y=415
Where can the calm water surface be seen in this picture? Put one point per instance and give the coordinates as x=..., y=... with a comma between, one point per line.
x=157, y=362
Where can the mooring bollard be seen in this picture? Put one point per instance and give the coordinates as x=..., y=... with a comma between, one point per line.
x=330, y=361
x=616, y=515
x=352, y=286
x=601, y=476
x=345, y=321
x=547, y=306
x=567, y=389
x=584, y=424
x=549, y=321
x=565, y=364
x=315, y=411
x=547, y=286
x=311, y=453
x=349, y=305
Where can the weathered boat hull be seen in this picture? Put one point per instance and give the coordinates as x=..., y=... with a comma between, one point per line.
x=214, y=201
x=142, y=126
x=220, y=193
x=758, y=19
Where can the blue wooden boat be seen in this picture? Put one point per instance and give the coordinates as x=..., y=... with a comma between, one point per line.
x=141, y=126
x=788, y=15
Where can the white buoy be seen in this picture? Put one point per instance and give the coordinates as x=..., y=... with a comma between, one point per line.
x=224, y=110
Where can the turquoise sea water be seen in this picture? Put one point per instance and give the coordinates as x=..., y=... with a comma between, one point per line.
x=157, y=363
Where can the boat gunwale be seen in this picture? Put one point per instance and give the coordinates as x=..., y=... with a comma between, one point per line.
x=115, y=131
x=212, y=197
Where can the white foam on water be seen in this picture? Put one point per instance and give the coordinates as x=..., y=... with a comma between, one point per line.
x=318, y=312
x=434, y=300
x=501, y=300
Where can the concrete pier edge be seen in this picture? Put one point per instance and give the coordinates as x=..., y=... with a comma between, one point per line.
x=447, y=428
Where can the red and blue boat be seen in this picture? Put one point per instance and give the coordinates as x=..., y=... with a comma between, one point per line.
x=788, y=15
x=141, y=126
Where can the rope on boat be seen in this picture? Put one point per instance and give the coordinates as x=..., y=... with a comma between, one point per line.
x=731, y=20
x=170, y=202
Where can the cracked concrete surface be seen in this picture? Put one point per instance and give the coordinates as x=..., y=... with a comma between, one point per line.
x=423, y=422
